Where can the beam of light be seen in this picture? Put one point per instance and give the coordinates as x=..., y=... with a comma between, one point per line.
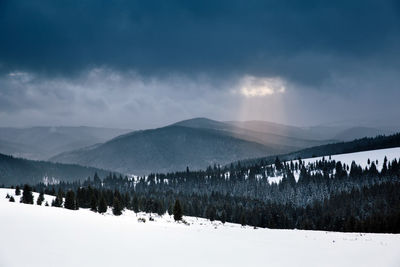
x=251, y=86
x=261, y=98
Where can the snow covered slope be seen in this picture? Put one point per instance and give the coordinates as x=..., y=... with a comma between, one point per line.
x=34, y=235
x=360, y=158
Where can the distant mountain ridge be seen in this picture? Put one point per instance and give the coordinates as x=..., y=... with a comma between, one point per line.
x=44, y=142
x=165, y=149
x=17, y=170
x=197, y=143
x=278, y=139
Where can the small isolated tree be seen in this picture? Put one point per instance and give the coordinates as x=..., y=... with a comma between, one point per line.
x=12, y=199
x=70, y=201
x=177, y=211
x=102, y=205
x=40, y=199
x=17, y=191
x=117, y=208
x=27, y=196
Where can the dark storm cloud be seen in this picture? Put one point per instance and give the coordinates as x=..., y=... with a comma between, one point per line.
x=302, y=41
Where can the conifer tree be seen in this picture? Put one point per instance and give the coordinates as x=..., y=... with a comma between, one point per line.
x=17, y=191
x=58, y=201
x=93, y=202
x=102, y=205
x=177, y=211
x=27, y=196
x=211, y=213
x=223, y=217
x=40, y=199
x=70, y=201
x=12, y=199
x=135, y=204
x=242, y=219
x=278, y=164
x=117, y=208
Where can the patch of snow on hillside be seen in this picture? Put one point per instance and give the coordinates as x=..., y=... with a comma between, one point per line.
x=360, y=158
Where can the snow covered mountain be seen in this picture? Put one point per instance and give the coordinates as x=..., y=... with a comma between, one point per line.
x=42, y=236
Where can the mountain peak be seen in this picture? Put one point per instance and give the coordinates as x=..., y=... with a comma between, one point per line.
x=201, y=122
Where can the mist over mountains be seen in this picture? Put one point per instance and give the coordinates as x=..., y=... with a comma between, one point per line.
x=41, y=143
x=77, y=152
x=201, y=142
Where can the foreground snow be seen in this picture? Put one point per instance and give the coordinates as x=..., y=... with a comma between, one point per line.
x=34, y=235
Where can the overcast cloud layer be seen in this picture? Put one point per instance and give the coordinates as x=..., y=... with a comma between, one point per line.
x=139, y=64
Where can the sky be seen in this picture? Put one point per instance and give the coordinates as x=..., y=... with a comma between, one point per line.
x=143, y=64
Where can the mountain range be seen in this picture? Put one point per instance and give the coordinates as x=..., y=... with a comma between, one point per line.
x=195, y=143
x=201, y=142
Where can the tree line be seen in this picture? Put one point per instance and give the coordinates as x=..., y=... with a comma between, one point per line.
x=323, y=195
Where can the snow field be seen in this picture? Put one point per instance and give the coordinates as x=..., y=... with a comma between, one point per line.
x=34, y=235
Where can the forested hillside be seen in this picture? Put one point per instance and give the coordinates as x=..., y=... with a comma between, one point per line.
x=166, y=149
x=324, y=195
x=16, y=170
x=363, y=144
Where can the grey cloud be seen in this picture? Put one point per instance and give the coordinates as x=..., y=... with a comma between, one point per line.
x=139, y=64
x=219, y=38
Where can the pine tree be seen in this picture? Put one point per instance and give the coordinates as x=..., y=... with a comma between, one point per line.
x=117, y=208
x=223, y=217
x=27, y=196
x=102, y=205
x=58, y=201
x=278, y=164
x=242, y=219
x=70, y=201
x=211, y=213
x=40, y=199
x=93, y=202
x=135, y=204
x=96, y=179
x=17, y=191
x=12, y=199
x=384, y=167
x=177, y=211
